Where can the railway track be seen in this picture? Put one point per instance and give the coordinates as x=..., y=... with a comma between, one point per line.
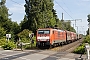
x=65, y=48
x=69, y=47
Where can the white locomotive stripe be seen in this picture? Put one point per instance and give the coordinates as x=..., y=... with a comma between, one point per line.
x=47, y=37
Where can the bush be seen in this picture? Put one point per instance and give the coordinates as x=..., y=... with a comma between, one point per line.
x=27, y=46
x=8, y=46
x=80, y=49
x=2, y=41
x=87, y=39
x=33, y=44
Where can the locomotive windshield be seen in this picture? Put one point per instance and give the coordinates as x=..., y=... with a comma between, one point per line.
x=43, y=31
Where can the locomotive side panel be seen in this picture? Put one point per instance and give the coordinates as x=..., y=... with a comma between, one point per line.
x=59, y=36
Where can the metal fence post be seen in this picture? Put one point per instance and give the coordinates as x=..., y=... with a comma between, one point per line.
x=87, y=49
x=87, y=53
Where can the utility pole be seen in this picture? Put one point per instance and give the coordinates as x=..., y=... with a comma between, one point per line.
x=77, y=26
x=62, y=22
x=73, y=25
x=77, y=31
x=82, y=30
x=62, y=16
x=75, y=21
x=70, y=22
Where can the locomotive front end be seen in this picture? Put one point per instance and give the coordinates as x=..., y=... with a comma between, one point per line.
x=43, y=38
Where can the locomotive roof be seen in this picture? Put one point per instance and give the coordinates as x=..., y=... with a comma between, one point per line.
x=52, y=29
x=55, y=29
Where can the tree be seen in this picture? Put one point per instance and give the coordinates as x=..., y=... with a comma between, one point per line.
x=15, y=28
x=88, y=18
x=87, y=31
x=3, y=12
x=24, y=35
x=6, y=24
x=89, y=23
x=4, y=20
x=68, y=26
x=55, y=16
x=2, y=32
x=3, y=17
x=39, y=14
x=24, y=24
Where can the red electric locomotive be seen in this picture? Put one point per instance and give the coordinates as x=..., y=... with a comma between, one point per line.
x=50, y=37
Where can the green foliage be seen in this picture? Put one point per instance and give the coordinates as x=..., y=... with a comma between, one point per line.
x=39, y=13
x=24, y=35
x=23, y=23
x=8, y=45
x=34, y=38
x=87, y=31
x=2, y=32
x=2, y=41
x=6, y=25
x=3, y=12
x=80, y=49
x=88, y=18
x=29, y=45
x=2, y=2
x=65, y=25
x=87, y=39
x=15, y=28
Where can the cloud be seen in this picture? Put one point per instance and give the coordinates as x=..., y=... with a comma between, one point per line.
x=16, y=8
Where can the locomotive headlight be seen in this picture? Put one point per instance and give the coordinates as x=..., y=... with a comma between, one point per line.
x=38, y=39
x=48, y=39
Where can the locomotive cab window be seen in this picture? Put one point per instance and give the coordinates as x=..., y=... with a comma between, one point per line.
x=43, y=31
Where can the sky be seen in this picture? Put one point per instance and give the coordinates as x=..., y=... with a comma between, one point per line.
x=71, y=9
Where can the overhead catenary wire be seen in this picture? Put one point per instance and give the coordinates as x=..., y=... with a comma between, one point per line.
x=55, y=1
x=69, y=10
x=66, y=6
x=16, y=2
x=64, y=9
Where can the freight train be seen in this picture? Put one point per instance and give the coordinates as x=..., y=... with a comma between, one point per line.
x=53, y=37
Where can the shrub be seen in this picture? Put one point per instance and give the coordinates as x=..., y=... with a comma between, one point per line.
x=8, y=46
x=87, y=39
x=27, y=46
x=33, y=44
x=24, y=33
x=2, y=41
x=80, y=49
